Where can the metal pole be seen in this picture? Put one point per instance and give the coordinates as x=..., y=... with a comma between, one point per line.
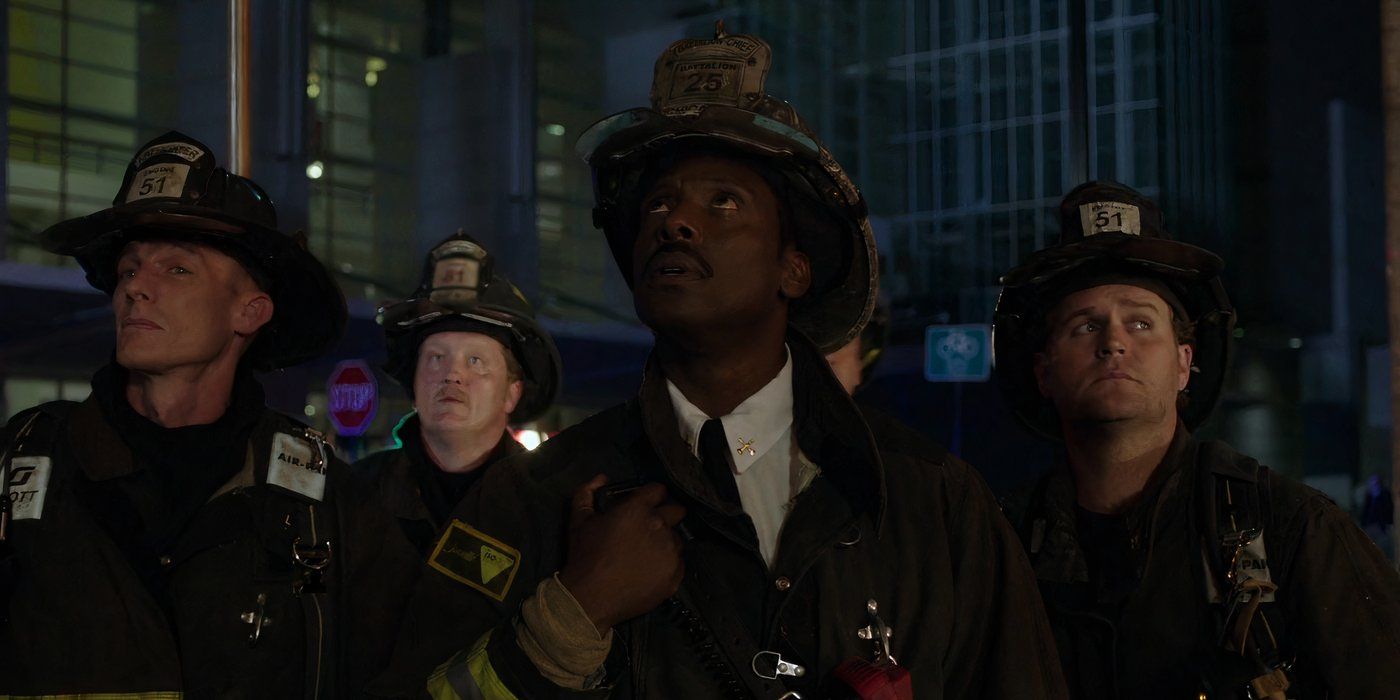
x=1080, y=112
x=1390, y=91
x=240, y=93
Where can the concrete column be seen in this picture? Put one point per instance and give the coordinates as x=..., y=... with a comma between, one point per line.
x=202, y=74
x=476, y=158
x=281, y=41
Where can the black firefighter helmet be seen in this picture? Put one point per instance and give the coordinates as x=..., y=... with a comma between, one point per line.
x=708, y=95
x=173, y=190
x=1110, y=233
x=461, y=291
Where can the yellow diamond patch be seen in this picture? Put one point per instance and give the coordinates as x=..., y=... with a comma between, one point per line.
x=470, y=556
x=493, y=563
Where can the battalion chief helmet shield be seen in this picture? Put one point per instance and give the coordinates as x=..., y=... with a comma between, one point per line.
x=708, y=96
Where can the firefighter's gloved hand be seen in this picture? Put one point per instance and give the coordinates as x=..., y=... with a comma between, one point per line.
x=625, y=562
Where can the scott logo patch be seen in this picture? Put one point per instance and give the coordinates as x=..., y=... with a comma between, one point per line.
x=1110, y=217
x=29, y=483
x=470, y=556
x=296, y=464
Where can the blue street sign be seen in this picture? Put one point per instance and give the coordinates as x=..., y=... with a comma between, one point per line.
x=958, y=353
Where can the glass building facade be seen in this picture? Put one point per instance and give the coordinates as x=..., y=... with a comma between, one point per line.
x=383, y=126
x=966, y=121
x=85, y=81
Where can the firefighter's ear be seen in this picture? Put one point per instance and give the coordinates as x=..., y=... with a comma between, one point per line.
x=513, y=393
x=1184, y=355
x=254, y=311
x=1042, y=373
x=797, y=273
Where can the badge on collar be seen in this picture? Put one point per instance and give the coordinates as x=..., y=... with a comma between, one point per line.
x=298, y=465
x=470, y=556
x=29, y=483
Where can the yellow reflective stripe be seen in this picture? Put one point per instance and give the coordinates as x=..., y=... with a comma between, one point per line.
x=153, y=695
x=468, y=675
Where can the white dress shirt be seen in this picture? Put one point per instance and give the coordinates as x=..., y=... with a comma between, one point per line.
x=769, y=469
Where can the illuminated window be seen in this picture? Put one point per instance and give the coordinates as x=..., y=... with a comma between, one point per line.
x=87, y=82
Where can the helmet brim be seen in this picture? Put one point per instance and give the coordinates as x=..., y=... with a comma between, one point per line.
x=309, y=314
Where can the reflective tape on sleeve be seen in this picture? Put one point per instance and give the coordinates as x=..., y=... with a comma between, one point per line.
x=469, y=676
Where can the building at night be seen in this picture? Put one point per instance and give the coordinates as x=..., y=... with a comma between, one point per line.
x=381, y=127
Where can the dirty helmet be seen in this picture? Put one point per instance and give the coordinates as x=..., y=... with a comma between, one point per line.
x=708, y=95
x=461, y=291
x=1110, y=234
x=174, y=190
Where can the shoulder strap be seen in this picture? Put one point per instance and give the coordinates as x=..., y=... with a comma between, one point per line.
x=34, y=434
x=31, y=433
x=704, y=609
x=1238, y=583
x=296, y=473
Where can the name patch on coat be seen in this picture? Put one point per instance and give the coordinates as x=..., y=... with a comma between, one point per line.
x=1252, y=563
x=296, y=464
x=29, y=483
x=470, y=556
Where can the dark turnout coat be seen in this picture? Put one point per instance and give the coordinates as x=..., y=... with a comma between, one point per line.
x=77, y=617
x=1156, y=635
x=400, y=475
x=891, y=517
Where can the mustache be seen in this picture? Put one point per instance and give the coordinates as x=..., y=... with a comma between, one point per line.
x=683, y=249
x=450, y=391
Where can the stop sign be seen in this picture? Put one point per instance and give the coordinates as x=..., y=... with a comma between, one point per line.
x=352, y=395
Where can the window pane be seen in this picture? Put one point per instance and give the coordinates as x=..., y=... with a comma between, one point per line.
x=999, y=171
x=1025, y=162
x=100, y=91
x=34, y=78
x=1145, y=148
x=1025, y=80
x=35, y=31
x=121, y=13
x=996, y=18
x=1050, y=14
x=1050, y=100
x=1106, y=151
x=1143, y=42
x=1053, y=153
x=102, y=47
x=1103, y=69
x=996, y=62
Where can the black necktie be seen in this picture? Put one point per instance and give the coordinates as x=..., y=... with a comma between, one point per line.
x=714, y=456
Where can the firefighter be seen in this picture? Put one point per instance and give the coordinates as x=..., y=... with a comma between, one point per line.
x=1170, y=566
x=733, y=530
x=171, y=534
x=467, y=349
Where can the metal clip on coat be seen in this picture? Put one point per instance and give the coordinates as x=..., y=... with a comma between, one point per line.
x=257, y=618
x=880, y=676
x=313, y=559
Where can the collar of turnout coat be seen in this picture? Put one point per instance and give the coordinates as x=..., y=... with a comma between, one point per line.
x=1059, y=558
x=830, y=431
x=394, y=471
